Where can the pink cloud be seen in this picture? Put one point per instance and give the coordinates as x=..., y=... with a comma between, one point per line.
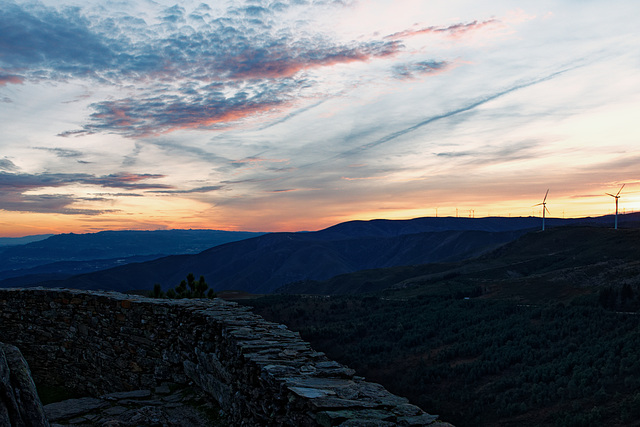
x=288, y=64
x=452, y=31
x=10, y=78
x=204, y=120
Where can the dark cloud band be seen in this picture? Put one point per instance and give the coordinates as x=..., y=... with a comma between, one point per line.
x=15, y=186
x=194, y=70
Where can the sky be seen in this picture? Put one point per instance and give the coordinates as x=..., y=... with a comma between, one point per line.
x=291, y=115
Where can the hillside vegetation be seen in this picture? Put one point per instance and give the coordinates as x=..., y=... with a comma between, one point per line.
x=264, y=263
x=542, y=331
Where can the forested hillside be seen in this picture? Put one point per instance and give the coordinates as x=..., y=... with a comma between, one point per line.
x=264, y=263
x=544, y=331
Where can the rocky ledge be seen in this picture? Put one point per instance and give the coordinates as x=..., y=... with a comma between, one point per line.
x=165, y=406
x=19, y=401
x=258, y=372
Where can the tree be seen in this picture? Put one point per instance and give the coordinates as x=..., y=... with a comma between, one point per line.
x=157, y=291
x=188, y=289
x=191, y=281
x=181, y=289
x=201, y=287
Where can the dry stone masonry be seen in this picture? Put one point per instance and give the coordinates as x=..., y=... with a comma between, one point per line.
x=259, y=372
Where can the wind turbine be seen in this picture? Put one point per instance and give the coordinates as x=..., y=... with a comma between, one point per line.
x=544, y=207
x=617, y=196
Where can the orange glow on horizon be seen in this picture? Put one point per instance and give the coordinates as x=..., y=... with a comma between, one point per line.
x=159, y=213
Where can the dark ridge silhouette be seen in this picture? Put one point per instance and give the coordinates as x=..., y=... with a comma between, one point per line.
x=553, y=257
x=15, y=241
x=263, y=264
x=64, y=255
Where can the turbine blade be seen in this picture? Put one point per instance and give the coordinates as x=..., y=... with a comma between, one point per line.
x=620, y=190
x=545, y=196
x=547, y=210
x=610, y=194
x=536, y=205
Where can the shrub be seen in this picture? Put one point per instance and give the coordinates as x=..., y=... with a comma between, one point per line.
x=186, y=289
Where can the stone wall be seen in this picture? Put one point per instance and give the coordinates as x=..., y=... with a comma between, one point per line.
x=260, y=373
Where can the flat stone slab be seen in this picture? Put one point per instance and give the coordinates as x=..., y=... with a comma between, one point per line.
x=115, y=410
x=135, y=394
x=368, y=417
x=192, y=409
x=311, y=393
x=417, y=420
x=163, y=389
x=73, y=407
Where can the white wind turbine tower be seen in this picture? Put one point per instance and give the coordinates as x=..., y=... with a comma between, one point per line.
x=544, y=207
x=617, y=196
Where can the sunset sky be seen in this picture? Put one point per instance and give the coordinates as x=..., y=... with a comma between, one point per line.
x=292, y=115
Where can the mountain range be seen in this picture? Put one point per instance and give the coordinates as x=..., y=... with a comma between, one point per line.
x=29, y=260
x=15, y=241
x=264, y=263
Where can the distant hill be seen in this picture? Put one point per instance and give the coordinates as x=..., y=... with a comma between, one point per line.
x=15, y=241
x=64, y=255
x=386, y=227
x=533, y=266
x=264, y=263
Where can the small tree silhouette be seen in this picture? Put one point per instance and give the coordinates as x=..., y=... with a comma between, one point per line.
x=181, y=290
x=201, y=287
x=191, y=281
x=186, y=289
x=157, y=291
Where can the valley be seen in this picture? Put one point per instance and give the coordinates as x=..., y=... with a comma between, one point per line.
x=543, y=331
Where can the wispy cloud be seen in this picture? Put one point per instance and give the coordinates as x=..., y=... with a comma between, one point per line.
x=15, y=188
x=7, y=165
x=283, y=190
x=257, y=159
x=26, y=182
x=453, y=31
x=46, y=203
x=494, y=154
x=62, y=152
x=165, y=113
x=125, y=180
x=414, y=69
x=10, y=79
x=451, y=113
x=111, y=195
x=205, y=189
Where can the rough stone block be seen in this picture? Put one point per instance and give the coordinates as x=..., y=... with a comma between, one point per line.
x=19, y=401
x=72, y=407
